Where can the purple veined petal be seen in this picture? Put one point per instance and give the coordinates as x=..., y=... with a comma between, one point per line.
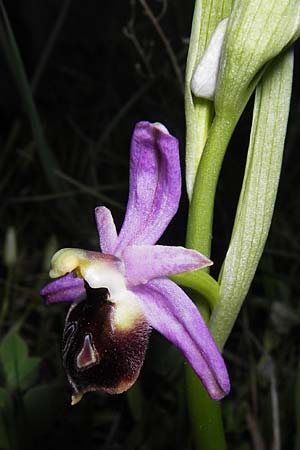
x=106, y=229
x=145, y=262
x=155, y=185
x=65, y=289
x=171, y=312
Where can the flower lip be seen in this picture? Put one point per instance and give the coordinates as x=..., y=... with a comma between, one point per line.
x=98, y=354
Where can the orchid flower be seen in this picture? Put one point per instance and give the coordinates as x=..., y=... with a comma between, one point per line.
x=123, y=292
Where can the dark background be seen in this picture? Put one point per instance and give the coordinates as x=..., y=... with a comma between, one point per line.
x=107, y=69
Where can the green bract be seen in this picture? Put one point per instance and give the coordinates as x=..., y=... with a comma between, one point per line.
x=257, y=31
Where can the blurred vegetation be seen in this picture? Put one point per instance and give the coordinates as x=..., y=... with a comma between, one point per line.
x=74, y=80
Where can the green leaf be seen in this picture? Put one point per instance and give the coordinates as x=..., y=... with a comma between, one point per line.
x=20, y=370
x=43, y=405
x=257, y=32
x=258, y=194
x=13, y=56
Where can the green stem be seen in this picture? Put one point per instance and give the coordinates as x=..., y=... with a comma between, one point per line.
x=205, y=143
x=201, y=283
x=205, y=415
x=200, y=220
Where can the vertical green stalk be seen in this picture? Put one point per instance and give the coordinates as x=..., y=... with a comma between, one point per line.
x=14, y=60
x=199, y=229
x=204, y=413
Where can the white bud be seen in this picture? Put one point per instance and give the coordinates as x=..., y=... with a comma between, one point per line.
x=10, y=247
x=205, y=77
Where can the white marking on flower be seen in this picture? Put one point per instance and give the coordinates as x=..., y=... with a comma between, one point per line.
x=101, y=275
x=88, y=355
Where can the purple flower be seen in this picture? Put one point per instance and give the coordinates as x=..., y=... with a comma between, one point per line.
x=123, y=292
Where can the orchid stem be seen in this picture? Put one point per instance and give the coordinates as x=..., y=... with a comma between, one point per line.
x=201, y=283
x=200, y=220
x=205, y=413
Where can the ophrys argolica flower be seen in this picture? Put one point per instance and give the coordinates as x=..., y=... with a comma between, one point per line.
x=120, y=294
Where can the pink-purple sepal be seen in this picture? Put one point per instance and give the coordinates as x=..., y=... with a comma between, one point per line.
x=68, y=288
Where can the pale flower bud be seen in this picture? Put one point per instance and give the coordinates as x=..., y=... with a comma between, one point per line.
x=205, y=77
x=10, y=247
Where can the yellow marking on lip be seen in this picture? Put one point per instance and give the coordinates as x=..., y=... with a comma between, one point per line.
x=98, y=269
x=66, y=260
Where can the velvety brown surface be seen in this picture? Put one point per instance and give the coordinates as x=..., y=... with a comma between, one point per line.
x=119, y=355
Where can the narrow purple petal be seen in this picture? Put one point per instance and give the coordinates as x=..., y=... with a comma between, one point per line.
x=106, y=229
x=171, y=312
x=155, y=185
x=145, y=262
x=64, y=289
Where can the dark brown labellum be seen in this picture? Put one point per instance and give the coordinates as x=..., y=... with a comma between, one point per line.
x=97, y=355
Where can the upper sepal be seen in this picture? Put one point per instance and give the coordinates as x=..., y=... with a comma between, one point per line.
x=155, y=185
